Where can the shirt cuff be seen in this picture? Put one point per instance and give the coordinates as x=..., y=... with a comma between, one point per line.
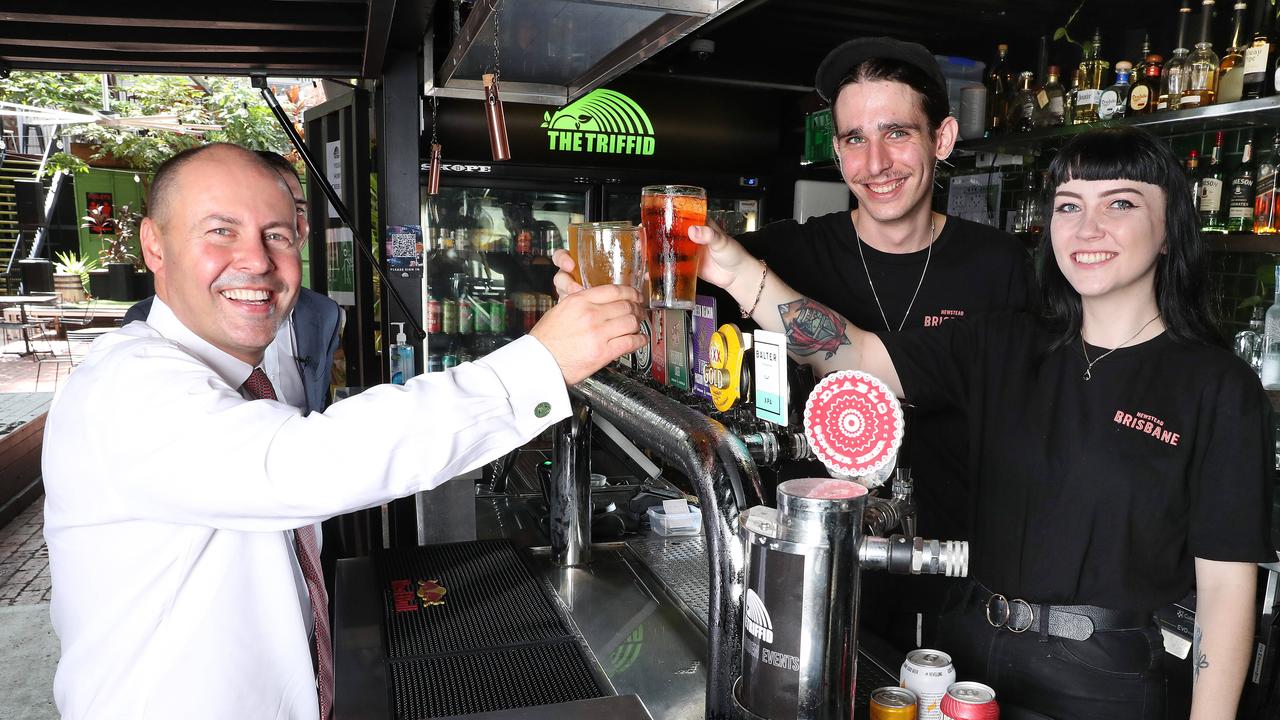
x=534, y=383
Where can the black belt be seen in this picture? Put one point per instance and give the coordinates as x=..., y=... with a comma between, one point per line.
x=1073, y=622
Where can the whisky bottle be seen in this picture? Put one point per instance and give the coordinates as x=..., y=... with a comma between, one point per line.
x=1240, y=192
x=1051, y=101
x=1202, y=75
x=1114, y=103
x=1193, y=174
x=1231, y=69
x=1089, y=92
x=1258, y=56
x=1146, y=89
x=1022, y=107
x=999, y=85
x=1265, y=221
x=1212, y=181
x=1174, y=77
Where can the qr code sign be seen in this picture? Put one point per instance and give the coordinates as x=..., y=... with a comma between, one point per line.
x=404, y=245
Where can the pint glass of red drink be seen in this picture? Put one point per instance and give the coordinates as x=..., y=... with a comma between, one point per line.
x=666, y=213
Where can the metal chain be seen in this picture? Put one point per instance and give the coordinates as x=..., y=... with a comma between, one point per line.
x=497, y=32
x=435, y=107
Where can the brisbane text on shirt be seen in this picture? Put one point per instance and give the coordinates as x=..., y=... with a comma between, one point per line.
x=1148, y=424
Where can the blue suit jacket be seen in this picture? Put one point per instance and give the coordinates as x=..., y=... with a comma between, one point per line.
x=317, y=325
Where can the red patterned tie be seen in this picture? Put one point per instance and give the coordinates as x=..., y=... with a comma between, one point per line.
x=258, y=386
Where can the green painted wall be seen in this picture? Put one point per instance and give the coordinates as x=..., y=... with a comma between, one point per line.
x=124, y=191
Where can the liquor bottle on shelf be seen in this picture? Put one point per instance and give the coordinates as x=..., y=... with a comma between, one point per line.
x=1265, y=221
x=1231, y=69
x=1114, y=103
x=1202, y=73
x=1240, y=197
x=1193, y=175
x=1271, y=342
x=1022, y=106
x=1051, y=101
x=1174, y=77
x=1146, y=88
x=1092, y=70
x=999, y=82
x=1259, y=55
x=1212, y=180
x=1140, y=69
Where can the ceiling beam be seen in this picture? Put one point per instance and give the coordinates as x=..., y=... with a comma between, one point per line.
x=307, y=16
x=151, y=40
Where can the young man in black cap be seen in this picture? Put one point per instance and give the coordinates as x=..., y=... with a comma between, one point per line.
x=893, y=264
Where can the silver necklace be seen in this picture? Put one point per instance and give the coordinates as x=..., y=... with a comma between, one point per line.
x=1091, y=363
x=920, y=284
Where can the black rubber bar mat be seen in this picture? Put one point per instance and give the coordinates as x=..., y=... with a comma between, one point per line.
x=470, y=629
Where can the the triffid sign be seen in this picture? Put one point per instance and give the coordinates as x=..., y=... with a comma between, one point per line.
x=602, y=121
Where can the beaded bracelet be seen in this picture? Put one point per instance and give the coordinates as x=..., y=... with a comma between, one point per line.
x=764, y=273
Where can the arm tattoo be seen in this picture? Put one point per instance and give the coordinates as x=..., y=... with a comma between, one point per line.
x=1199, y=660
x=811, y=327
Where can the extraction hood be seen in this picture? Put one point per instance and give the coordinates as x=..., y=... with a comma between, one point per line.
x=554, y=51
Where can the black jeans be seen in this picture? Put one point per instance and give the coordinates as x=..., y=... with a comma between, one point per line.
x=1112, y=675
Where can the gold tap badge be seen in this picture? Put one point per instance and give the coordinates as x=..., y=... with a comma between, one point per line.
x=409, y=597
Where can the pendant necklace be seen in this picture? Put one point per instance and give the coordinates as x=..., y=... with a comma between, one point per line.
x=1088, y=368
x=919, y=285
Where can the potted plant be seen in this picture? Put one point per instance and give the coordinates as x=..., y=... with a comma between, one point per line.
x=71, y=276
x=116, y=254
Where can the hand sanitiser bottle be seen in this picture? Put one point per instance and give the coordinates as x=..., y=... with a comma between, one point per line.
x=401, y=357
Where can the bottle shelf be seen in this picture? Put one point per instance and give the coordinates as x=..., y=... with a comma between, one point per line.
x=1242, y=243
x=1259, y=112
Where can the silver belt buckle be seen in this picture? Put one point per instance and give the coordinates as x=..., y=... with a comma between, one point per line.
x=1030, y=611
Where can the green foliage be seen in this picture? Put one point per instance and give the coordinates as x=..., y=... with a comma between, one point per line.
x=117, y=239
x=73, y=264
x=229, y=102
x=65, y=162
x=75, y=92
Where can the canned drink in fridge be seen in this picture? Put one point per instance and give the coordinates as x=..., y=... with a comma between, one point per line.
x=449, y=360
x=496, y=312
x=433, y=315
x=928, y=673
x=449, y=316
x=970, y=701
x=893, y=703
x=466, y=316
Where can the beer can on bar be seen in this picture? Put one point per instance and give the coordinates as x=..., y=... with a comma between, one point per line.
x=893, y=703
x=928, y=673
x=970, y=701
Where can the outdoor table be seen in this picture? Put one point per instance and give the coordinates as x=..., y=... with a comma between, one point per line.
x=22, y=301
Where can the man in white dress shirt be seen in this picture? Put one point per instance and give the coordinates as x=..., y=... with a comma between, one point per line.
x=174, y=591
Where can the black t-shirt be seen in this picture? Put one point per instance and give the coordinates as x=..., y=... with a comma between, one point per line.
x=1100, y=491
x=972, y=269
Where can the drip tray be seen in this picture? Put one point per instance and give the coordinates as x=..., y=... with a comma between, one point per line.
x=462, y=628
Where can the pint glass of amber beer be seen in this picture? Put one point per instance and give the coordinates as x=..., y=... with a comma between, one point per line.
x=666, y=213
x=608, y=253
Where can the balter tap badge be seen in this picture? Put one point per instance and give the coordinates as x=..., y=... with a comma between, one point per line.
x=854, y=425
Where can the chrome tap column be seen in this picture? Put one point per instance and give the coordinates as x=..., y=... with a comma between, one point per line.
x=569, y=503
x=800, y=616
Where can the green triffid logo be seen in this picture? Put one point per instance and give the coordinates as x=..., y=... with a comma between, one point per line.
x=602, y=121
x=626, y=654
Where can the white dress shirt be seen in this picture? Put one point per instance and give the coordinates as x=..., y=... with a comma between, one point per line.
x=170, y=497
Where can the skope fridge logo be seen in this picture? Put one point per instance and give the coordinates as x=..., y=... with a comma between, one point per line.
x=602, y=121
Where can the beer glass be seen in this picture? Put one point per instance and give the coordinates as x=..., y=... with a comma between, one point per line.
x=608, y=253
x=667, y=212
